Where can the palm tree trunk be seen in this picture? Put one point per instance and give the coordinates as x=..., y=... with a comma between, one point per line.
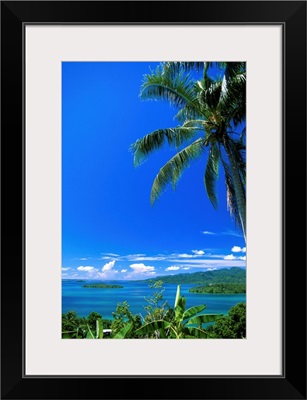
x=238, y=188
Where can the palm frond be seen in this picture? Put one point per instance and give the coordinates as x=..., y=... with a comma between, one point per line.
x=156, y=140
x=189, y=111
x=213, y=106
x=177, y=89
x=187, y=66
x=232, y=205
x=233, y=69
x=200, y=123
x=211, y=174
x=242, y=138
x=173, y=169
x=209, y=96
x=233, y=98
x=237, y=150
x=229, y=68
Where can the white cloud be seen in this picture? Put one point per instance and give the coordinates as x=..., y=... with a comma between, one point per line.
x=183, y=256
x=108, y=266
x=210, y=260
x=143, y=258
x=224, y=263
x=211, y=269
x=141, y=268
x=186, y=268
x=123, y=271
x=87, y=268
x=173, y=268
x=132, y=257
x=238, y=249
x=198, y=252
x=65, y=269
x=106, y=271
x=242, y=258
x=229, y=232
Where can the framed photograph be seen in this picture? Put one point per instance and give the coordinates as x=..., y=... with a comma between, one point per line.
x=185, y=271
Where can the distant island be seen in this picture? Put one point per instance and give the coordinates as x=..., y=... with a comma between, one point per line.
x=234, y=275
x=102, y=286
x=220, y=288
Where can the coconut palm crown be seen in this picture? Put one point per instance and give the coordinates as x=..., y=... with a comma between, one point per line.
x=211, y=112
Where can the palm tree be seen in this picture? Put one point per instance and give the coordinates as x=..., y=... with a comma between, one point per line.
x=211, y=113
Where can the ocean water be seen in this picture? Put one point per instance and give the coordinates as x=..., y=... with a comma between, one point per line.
x=104, y=301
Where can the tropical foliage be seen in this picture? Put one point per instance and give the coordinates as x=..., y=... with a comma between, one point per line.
x=157, y=308
x=102, y=286
x=233, y=275
x=232, y=326
x=211, y=111
x=182, y=324
x=161, y=321
x=124, y=322
x=220, y=288
x=75, y=327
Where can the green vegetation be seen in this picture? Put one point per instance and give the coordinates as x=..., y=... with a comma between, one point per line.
x=220, y=288
x=211, y=113
x=234, y=275
x=124, y=322
x=102, y=286
x=74, y=327
x=179, y=323
x=157, y=308
x=161, y=321
x=232, y=326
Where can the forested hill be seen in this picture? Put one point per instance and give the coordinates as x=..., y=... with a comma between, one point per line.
x=224, y=275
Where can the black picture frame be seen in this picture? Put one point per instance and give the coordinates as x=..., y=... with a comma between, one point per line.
x=292, y=16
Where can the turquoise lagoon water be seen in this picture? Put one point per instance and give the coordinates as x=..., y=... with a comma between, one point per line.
x=104, y=301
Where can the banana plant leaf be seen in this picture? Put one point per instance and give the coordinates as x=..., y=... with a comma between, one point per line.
x=99, y=329
x=202, y=319
x=177, y=296
x=179, y=311
x=190, y=312
x=89, y=334
x=196, y=333
x=123, y=332
x=159, y=325
x=69, y=334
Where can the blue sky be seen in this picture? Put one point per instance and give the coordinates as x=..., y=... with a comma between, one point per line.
x=109, y=228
